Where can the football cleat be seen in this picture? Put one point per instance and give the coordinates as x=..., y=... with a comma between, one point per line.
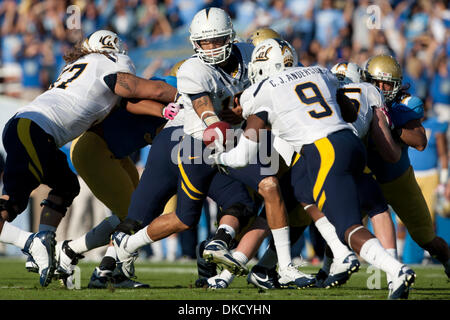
x=321, y=276
x=263, y=278
x=119, y=280
x=125, y=259
x=41, y=248
x=201, y=283
x=205, y=269
x=216, y=251
x=31, y=266
x=217, y=282
x=402, y=283
x=291, y=276
x=341, y=270
x=67, y=259
x=100, y=279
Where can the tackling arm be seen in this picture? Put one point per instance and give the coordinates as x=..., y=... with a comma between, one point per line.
x=388, y=148
x=413, y=134
x=152, y=108
x=145, y=107
x=128, y=85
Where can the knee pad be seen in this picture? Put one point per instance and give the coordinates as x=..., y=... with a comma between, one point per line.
x=242, y=212
x=12, y=208
x=129, y=226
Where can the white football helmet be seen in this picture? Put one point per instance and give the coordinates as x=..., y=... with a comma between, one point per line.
x=104, y=41
x=347, y=72
x=270, y=57
x=212, y=23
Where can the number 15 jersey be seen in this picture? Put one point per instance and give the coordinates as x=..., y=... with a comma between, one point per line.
x=79, y=97
x=300, y=103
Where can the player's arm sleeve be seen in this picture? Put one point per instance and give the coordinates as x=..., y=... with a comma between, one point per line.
x=244, y=153
x=195, y=84
x=191, y=81
x=408, y=125
x=255, y=101
x=410, y=108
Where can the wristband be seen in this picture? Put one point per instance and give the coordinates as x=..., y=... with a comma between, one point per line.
x=211, y=119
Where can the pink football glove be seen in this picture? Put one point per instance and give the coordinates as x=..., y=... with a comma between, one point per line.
x=170, y=111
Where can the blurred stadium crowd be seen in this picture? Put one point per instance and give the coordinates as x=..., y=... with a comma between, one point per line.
x=34, y=35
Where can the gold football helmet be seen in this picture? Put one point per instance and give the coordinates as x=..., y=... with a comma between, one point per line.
x=386, y=69
x=262, y=34
x=176, y=66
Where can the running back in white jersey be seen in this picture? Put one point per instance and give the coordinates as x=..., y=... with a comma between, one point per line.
x=195, y=77
x=79, y=98
x=300, y=102
x=367, y=97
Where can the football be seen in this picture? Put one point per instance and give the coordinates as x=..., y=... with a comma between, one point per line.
x=216, y=134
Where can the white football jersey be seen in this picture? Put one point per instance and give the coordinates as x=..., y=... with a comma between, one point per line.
x=79, y=98
x=300, y=103
x=366, y=96
x=195, y=77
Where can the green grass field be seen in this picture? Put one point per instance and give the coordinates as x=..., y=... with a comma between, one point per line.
x=175, y=281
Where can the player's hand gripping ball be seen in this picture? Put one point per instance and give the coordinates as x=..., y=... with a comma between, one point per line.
x=215, y=135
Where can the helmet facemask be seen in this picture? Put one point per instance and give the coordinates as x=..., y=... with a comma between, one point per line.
x=389, y=95
x=216, y=55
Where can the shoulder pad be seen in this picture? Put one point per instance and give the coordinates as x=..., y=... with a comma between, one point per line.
x=409, y=108
x=412, y=102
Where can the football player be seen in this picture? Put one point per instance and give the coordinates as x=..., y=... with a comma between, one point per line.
x=364, y=95
x=226, y=72
x=373, y=119
x=101, y=158
x=207, y=83
x=397, y=179
x=301, y=104
x=97, y=73
x=250, y=241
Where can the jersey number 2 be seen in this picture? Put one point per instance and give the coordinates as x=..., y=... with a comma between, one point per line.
x=316, y=98
x=79, y=68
